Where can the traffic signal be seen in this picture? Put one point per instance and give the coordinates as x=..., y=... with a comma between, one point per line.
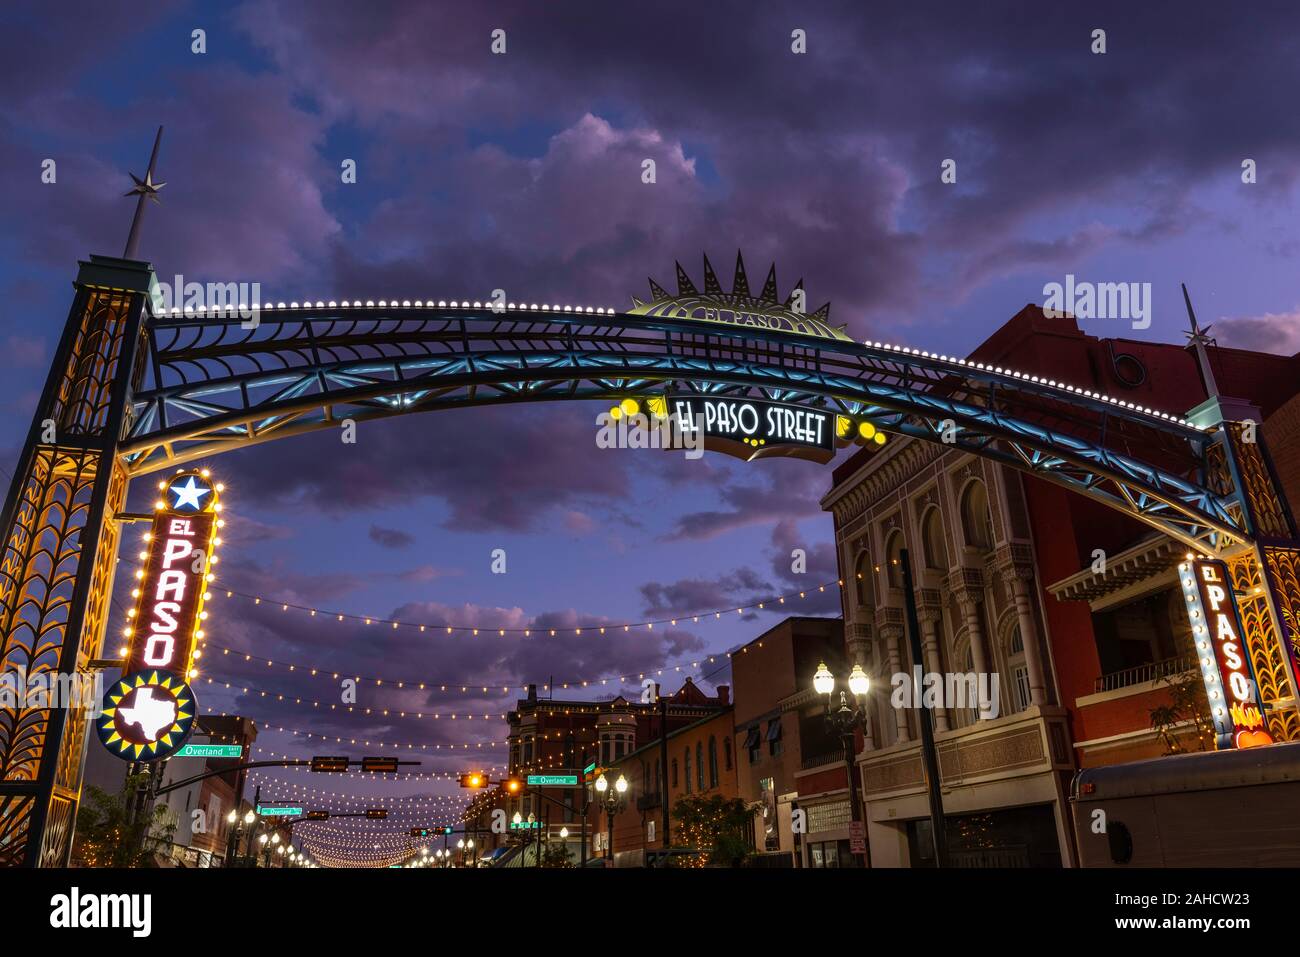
x=317, y=816
x=329, y=765
x=379, y=765
x=447, y=830
x=474, y=779
x=377, y=813
x=513, y=785
x=419, y=832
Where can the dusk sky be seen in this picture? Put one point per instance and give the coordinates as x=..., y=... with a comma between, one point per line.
x=522, y=171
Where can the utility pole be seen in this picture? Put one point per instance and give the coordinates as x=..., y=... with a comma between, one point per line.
x=582, y=840
x=663, y=768
x=928, y=750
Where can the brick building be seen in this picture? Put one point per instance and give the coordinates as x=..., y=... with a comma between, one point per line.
x=784, y=757
x=1008, y=583
x=548, y=734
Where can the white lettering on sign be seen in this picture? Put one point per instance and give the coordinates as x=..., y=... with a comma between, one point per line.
x=771, y=422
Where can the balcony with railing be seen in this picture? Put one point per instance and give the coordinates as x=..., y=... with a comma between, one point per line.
x=1140, y=674
x=825, y=758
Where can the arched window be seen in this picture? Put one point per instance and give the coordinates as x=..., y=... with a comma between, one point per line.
x=674, y=766
x=936, y=555
x=713, y=761
x=975, y=522
x=893, y=553
x=699, y=764
x=862, y=572
x=726, y=752
x=687, y=768
x=1020, y=695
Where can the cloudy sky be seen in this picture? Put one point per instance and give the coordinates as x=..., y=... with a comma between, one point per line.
x=522, y=171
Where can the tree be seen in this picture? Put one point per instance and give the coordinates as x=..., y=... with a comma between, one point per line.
x=715, y=827
x=109, y=836
x=557, y=855
x=1187, y=702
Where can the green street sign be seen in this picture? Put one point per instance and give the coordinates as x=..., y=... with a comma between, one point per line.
x=265, y=811
x=211, y=751
x=589, y=768
x=553, y=780
x=525, y=825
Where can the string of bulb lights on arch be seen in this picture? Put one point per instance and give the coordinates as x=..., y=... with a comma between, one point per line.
x=462, y=686
x=443, y=628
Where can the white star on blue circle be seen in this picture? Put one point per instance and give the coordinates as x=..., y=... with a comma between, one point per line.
x=188, y=496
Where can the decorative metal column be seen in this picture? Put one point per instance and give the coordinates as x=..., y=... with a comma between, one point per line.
x=59, y=551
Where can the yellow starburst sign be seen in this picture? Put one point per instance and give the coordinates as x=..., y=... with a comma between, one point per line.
x=147, y=716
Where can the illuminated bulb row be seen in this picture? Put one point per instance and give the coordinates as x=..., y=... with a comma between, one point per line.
x=339, y=740
x=1200, y=635
x=357, y=709
x=1037, y=380
x=386, y=304
x=527, y=632
x=398, y=802
x=466, y=688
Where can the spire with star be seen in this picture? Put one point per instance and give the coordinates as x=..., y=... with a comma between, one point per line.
x=146, y=189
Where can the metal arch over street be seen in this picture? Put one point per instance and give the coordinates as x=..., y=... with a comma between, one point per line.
x=212, y=385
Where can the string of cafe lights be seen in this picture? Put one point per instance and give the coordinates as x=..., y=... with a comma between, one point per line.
x=354, y=709
x=371, y=743
x=496, y=309
x=474, y=631
x=450, y=687
x=298, y=791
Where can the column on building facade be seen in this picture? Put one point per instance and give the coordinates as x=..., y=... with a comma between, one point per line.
x=928, y=614
x=967, y=585
x=891, y=634
x=1019, y=576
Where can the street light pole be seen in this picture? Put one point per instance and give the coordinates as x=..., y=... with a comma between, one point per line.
x=614, y=801
x=846, y=720
x=931, y=754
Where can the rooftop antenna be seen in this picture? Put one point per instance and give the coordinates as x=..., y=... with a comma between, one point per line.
x=1197, y=340
x=146, y=189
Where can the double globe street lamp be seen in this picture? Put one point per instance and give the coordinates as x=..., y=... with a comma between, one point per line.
x=844, y=721
x=613, y=801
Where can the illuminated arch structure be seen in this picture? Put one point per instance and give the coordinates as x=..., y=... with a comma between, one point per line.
x=133, y=390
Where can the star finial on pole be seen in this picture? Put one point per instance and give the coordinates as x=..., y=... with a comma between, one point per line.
x=146, y=189
x=1197, y=340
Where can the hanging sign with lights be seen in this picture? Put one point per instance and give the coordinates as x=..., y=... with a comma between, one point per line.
x=172, y=581
x=149, y=713
x=757, y=428
x=1235, y=706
